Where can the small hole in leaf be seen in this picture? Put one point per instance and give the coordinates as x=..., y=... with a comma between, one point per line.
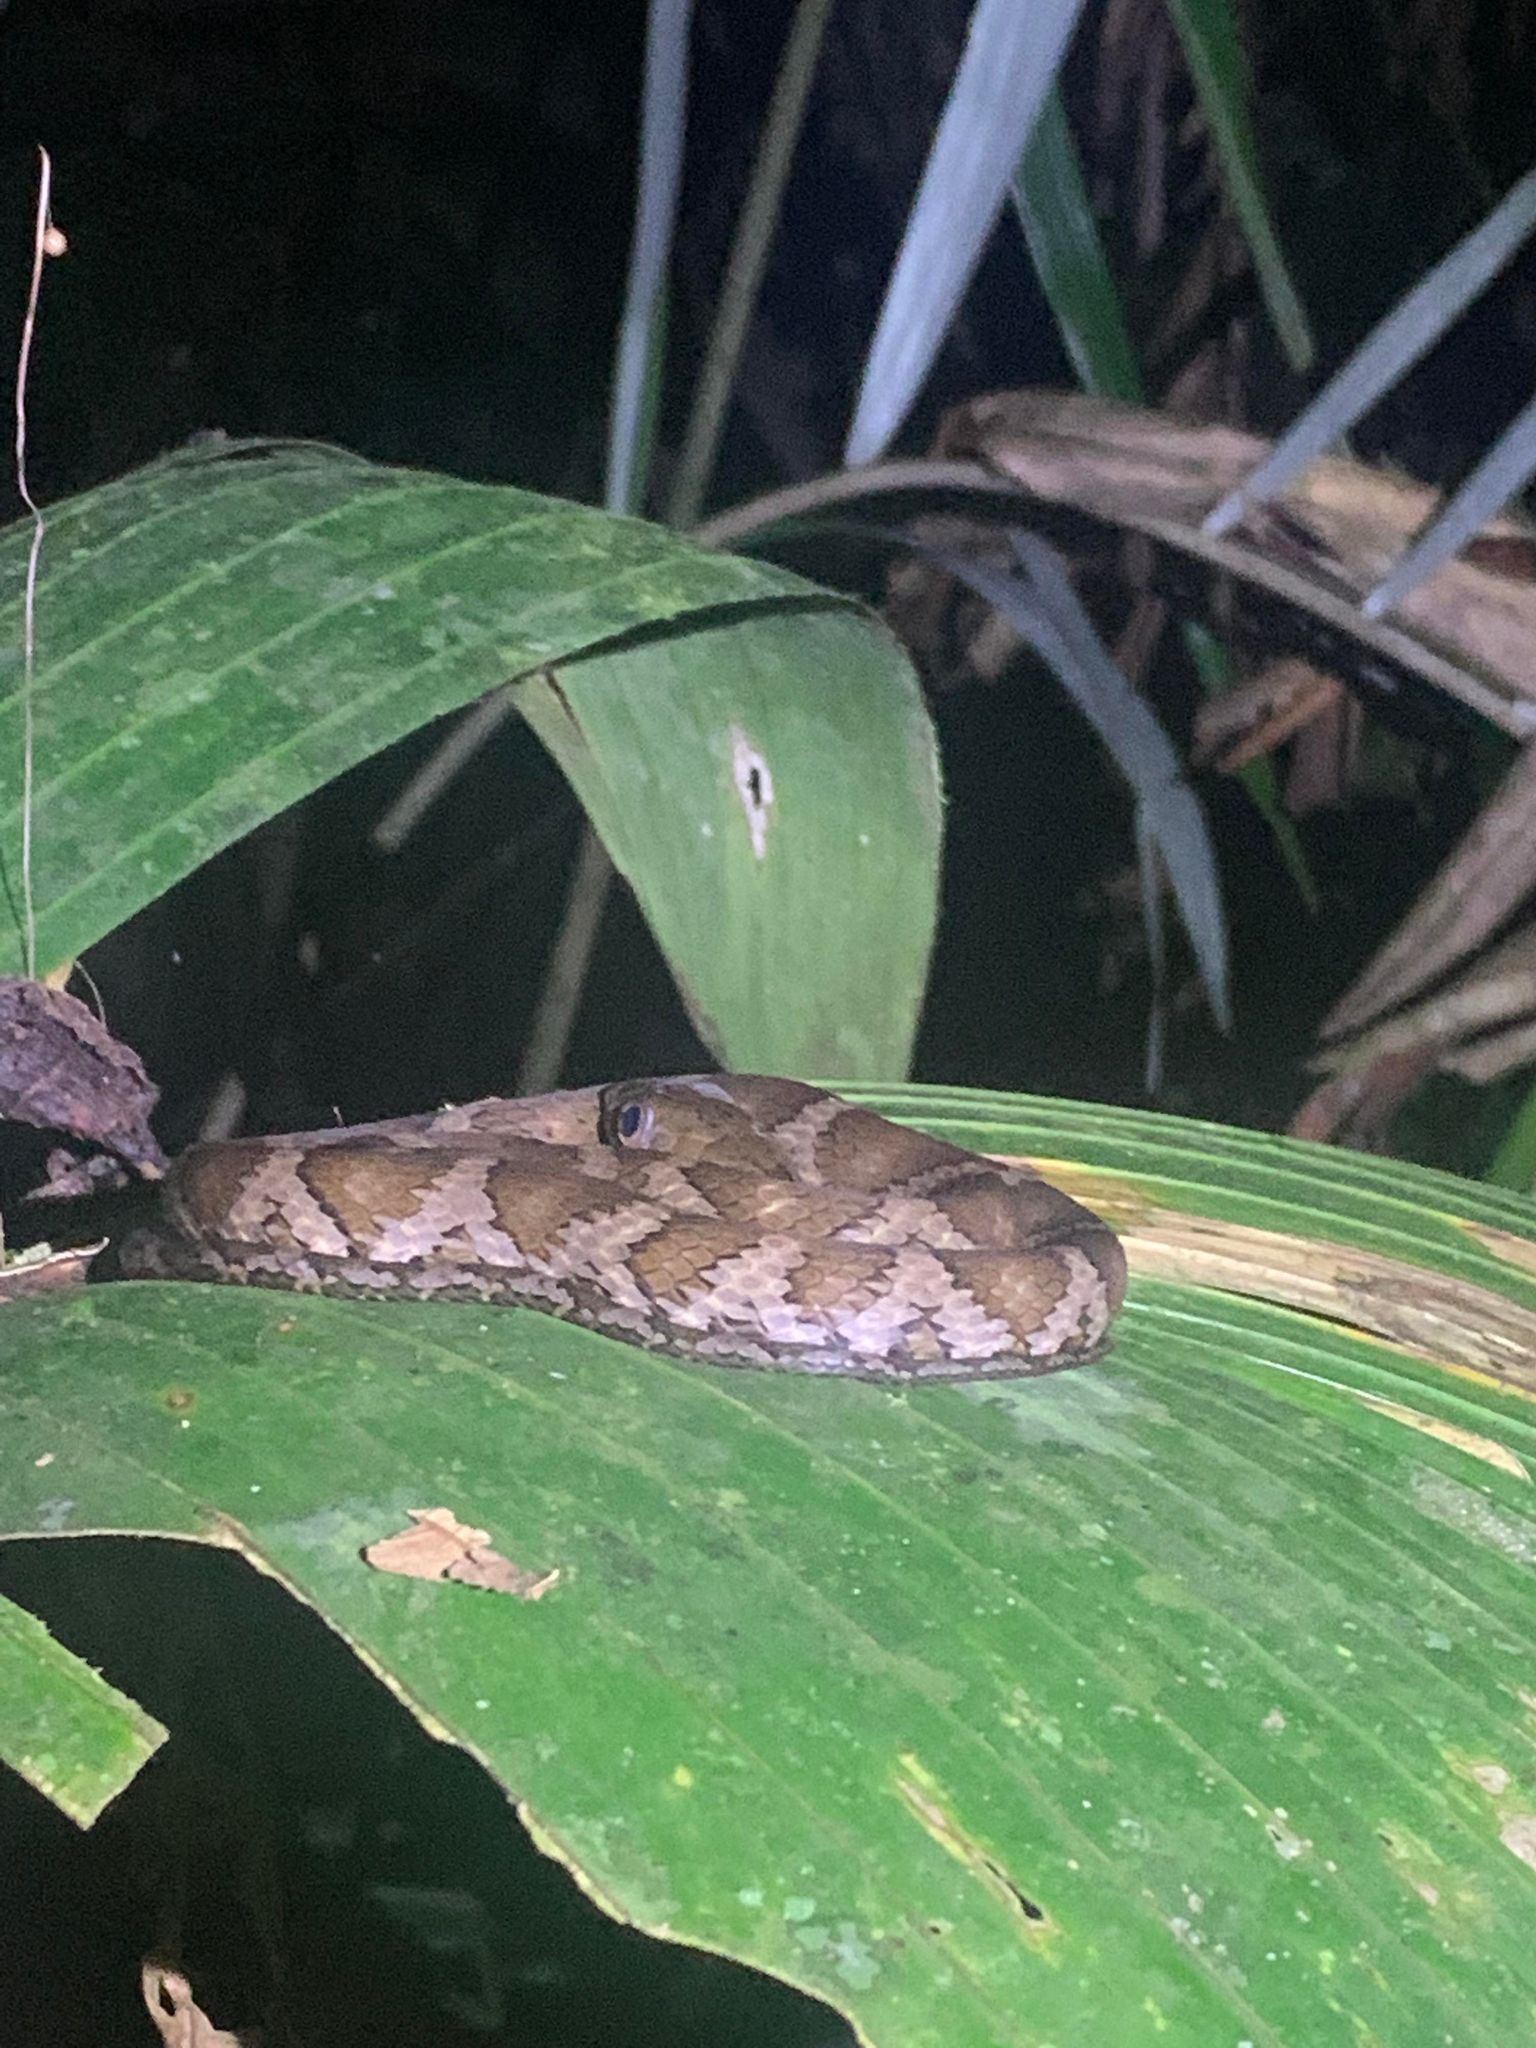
x=1025, y=1904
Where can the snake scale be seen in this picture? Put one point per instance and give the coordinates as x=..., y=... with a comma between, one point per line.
x=736, y=1219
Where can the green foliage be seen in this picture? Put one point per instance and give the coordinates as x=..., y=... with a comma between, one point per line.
x=1181, y=1692
x=67, y=1732
x=1179, y=1698
x=221, y=633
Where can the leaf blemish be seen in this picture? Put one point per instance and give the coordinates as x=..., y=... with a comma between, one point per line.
x=754, y=785
x=920, y=1792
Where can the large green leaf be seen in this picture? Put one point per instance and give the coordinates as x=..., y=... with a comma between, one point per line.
x=1183, y=1698
x=221, y=633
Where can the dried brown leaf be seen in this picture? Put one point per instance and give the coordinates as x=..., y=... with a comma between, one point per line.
x=1261, y=713
x=61, y=1069
x=1323, y=758
x=38, y=1270
x=1437, y=1315
x=1456, y=1023
x=1492, y=1057
x=1489, y=874
x=1357, y=1107
x=1321, y=545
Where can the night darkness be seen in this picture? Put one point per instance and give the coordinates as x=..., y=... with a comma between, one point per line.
x=404, y=228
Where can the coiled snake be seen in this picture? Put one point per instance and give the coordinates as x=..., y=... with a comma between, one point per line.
x=741, y=1220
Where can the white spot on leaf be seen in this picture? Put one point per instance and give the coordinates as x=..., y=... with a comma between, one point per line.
x=754, y=785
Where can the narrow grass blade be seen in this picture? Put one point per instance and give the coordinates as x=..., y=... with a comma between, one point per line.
x=1011, y=56
x=1505, y=469
x=663, y=122
x=1041, y=603
x=1413, y=327
x=1051, y=201
x=1208, y=31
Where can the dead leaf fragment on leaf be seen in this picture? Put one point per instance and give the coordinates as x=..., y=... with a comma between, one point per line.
x=181, y=2022
x=1256, y=716
x=39, y=1270
x=442, y=1547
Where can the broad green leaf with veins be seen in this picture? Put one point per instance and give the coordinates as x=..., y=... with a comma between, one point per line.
x=223, y=632
x=1185, y=1697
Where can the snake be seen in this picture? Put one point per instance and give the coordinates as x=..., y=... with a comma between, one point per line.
x=733, y=1219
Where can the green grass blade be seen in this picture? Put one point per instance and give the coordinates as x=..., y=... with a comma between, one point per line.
x=1051, y=200
x=72, y=1736
x=1208, y=32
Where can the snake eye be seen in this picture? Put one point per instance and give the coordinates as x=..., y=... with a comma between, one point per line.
x=629, y=1120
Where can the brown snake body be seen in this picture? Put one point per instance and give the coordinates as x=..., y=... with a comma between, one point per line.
x=744, y=1221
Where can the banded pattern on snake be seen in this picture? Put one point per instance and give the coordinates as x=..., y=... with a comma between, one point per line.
x=735, y=1219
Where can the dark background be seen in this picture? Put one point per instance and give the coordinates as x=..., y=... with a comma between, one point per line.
x=404, y=227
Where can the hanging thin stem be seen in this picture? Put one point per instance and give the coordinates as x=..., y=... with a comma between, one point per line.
x=554, y=1014
x=755, y=229
x=46, y=241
